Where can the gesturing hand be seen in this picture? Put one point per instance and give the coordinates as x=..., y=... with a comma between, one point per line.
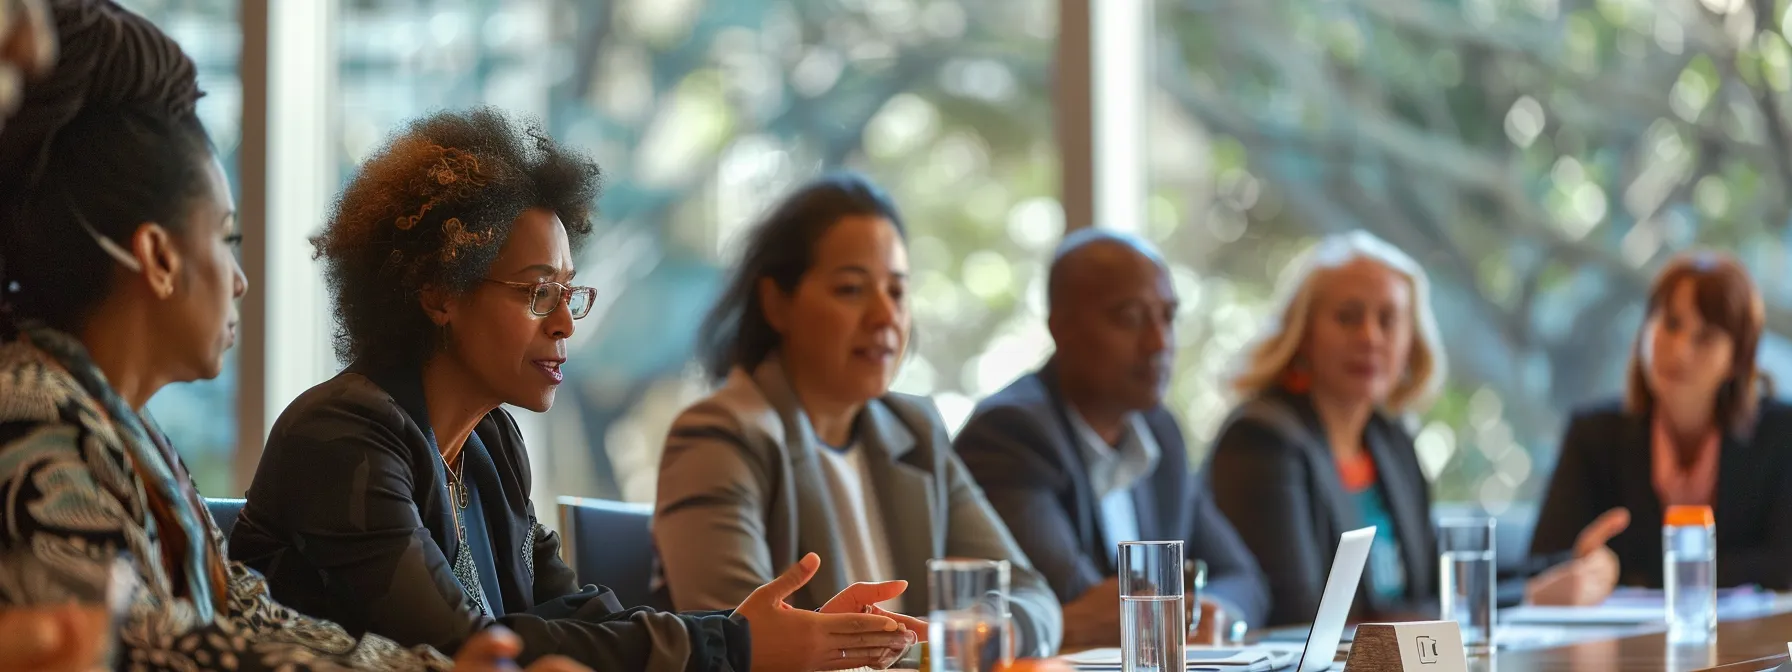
x=786, y=639
x=863, y=598
x=858, y=596
x=1593, y=573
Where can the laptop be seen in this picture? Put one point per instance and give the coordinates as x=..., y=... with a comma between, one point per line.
x=1321, y=642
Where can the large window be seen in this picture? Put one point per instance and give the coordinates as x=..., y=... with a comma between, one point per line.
x=199, y=417
x=701, y=113
x=1540, y=158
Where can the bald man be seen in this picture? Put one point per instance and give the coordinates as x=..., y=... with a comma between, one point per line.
x=1082, y=455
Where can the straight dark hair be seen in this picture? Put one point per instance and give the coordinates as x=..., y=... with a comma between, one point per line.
x=1726, y=298
x=781, y=247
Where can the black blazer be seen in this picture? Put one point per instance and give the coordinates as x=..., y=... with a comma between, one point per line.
x=1606, y=462
x=1273, y=475
x=348, y=518
x=1021, y=448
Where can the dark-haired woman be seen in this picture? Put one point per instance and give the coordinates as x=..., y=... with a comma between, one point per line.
x=1698, y=426
x=394, y=498
x=804, y=449
x=118, y=278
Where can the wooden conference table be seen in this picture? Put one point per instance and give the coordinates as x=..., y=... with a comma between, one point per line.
x=1743, y=645
x=1749, y=645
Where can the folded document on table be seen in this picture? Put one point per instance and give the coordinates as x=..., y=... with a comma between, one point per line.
x=1639, y=606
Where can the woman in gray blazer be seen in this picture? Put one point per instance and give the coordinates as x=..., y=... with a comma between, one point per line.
x=804, y=448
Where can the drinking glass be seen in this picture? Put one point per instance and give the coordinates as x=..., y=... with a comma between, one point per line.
x=968, y=624
x=1153, y=611
x=1466, y=570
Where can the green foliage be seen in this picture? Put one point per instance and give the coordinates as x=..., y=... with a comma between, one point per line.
x=1539, y=163
x=1540, y=158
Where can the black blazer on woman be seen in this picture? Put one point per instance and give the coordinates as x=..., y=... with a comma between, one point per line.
x=1273, y=474
x=1607, y=461
x=348, y=517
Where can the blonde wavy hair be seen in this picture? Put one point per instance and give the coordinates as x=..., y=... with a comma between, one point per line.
x=1267, y=359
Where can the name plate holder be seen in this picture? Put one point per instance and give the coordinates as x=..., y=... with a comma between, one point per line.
x=1428, y=646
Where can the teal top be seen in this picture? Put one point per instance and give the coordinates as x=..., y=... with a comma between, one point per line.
x=1387, y=571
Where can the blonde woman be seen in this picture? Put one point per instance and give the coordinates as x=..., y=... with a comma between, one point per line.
x=1316, y=448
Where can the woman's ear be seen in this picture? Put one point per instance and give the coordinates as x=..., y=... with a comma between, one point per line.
x=437, y=305
x=152, y=246
x=775, y=303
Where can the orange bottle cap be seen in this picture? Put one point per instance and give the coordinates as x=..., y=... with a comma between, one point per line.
x=1690, y=516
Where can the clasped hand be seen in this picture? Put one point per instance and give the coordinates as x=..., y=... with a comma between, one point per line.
x=850, y=631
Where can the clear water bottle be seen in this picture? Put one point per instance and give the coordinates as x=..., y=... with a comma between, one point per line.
x=1689, y=574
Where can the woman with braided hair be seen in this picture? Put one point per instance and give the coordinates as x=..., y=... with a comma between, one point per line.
x=118, y=278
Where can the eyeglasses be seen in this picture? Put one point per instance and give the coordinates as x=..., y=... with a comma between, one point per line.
x=545, y=297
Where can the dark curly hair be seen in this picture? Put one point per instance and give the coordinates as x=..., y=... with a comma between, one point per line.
x=431, y=209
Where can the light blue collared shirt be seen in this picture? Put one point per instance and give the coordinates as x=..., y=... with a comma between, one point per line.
x=1113, y=470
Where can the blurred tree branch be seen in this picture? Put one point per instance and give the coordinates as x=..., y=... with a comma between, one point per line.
x=1772, y=117
x=1343, y=114
x=1351, y=127
x=594, y=33
x=826, y=126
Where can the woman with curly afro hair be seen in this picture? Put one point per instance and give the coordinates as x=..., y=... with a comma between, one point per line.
x=118, y=277
x=394, y=498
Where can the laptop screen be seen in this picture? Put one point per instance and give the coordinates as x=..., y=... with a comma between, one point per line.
x=1334, y=605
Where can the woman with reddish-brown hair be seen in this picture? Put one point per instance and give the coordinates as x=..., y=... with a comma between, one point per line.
x=1698, y=426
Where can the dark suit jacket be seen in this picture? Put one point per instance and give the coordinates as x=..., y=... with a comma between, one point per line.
x=1606, y=462
x=1273, y=474
x=348, y=518
x=1021, y=448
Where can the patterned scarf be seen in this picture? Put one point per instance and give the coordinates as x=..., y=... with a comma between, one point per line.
x=194, y=564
